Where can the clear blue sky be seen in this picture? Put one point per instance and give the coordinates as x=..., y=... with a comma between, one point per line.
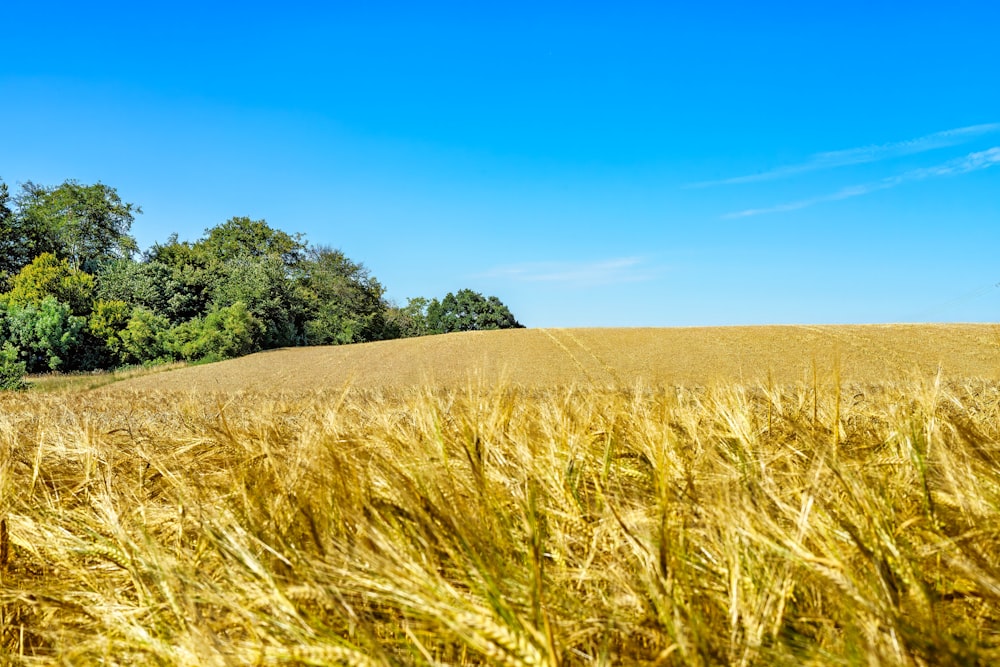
x=641, y=164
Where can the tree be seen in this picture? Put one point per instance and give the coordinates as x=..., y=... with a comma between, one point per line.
x=469, y=311
x=85, y=224
x=195, y=275
x=152, y=285
x=48, y=276
x=410, y=320
x=241, y=237
x=107, y=322
x=343, y=299
x=9, y=251
x=146, y=337
x=47, y=336
x=222, y=334
x=262, y=286
x=21, y=238
x=239, y=260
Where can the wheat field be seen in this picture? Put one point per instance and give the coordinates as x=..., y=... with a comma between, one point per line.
x=545, y=358
x=826, y=509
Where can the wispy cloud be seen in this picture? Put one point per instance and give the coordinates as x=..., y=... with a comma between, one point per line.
x=604, y=272
x=864, y=154
x=971, y=162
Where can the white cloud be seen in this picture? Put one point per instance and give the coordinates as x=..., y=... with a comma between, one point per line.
x=971, y=162
x=962, y=165
x=864, y=154
x=604, y=272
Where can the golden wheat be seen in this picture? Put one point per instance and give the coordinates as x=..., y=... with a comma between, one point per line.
x=608, y=358
x=745, y=524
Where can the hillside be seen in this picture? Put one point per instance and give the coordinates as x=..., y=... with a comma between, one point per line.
x=547, y=357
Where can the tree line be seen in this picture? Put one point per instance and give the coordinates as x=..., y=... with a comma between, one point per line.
x=76, y=294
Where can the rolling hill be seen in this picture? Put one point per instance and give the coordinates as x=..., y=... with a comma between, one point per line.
x=552, y=357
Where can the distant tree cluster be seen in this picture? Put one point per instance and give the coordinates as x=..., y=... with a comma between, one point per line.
x=75, y=294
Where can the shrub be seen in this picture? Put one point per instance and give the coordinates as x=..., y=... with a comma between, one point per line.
x=145, y=338
x=12, y=371
x=106, y=323
x=47, y=336
x=222, y=334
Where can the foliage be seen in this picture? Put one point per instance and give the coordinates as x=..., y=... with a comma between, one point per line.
x=20, y=241
x=267, y=293
x=469, y=311
x=241, y=260
x=194, y=275
x=12, y=371
x=344, y=300
x=47, y=336
x=151, y=285
x=145, y=339
x=85, y=224
x=106, y=323
x=47, y=276
x=222, y=334
x=241, y=237
x=408, y=321
x=9, y=249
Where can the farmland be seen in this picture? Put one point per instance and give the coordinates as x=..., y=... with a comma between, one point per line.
x=546, y=358
x=782, y=495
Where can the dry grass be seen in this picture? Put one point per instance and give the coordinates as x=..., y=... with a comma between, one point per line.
x=800, y=523
x=74, y=382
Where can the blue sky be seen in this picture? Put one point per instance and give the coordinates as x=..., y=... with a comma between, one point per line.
x=647, y=164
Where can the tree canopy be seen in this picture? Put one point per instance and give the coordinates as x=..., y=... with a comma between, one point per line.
x=345, y=302
x=48, y=276
x=9, y=250
x=469, y=311
x=84, y=224
x=243, y=237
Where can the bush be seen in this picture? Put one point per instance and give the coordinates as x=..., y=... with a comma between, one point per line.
x=222, y=334
x=106, y=323
x=47, y=336
x=145, y=338
x=12, y=371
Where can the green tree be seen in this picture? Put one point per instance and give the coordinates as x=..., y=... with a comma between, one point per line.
x=9, y=250
x=242, y=237
x=152, y=285
x=85, y=224
x=47, y=336
x=239, y=260
x=47, y=276
x=145, y=338
x=12, y=371
x=222, y=334
x=107, y=322
x=263, y=287
x=410, y=320
x=344, y=300
x=195, y=274
x=467, y=310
